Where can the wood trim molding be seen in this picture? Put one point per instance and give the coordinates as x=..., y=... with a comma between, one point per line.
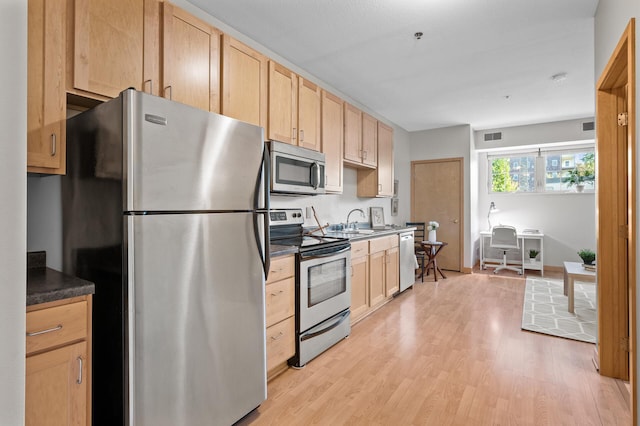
x=616, y=215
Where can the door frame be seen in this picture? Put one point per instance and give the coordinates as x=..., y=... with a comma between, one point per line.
x=616, y=227
x=461, y=239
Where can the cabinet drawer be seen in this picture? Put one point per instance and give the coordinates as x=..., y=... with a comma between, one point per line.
x=383, y=243
x=280, y=299
x=56, y=326
x=359, y=248
x=281, y=267
x=280, y=342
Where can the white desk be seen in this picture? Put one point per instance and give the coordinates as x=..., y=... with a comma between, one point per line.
x=527, y=241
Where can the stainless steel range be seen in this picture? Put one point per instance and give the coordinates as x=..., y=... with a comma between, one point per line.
x=323, y=285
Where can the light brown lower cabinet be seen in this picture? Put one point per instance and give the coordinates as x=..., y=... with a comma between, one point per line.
x=58, y=363
x=375, y=274
x=280, y=311
x=359, y=279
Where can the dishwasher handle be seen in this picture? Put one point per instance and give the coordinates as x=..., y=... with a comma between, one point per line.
x=405, y=237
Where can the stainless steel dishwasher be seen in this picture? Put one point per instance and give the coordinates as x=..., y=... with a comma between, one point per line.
x=407, y=260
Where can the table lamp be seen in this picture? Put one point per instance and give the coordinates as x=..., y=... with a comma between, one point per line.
x=492, y=209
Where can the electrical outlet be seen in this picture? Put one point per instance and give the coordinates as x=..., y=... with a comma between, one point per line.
x=308, y=212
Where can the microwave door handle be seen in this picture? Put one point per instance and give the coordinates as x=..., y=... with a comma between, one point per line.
x=315, y=183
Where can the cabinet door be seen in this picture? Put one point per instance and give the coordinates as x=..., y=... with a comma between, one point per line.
x=392, y=272
x=191, y=60
x=46, y=98
x=108, y=46
x=244, y=82
x=332, y=140
x=56, y=387
x=359, y=287
x=369, y=140
x=283, y=99
x=385, y=160
x=376, y=278
x=352, y=133
x=308, y=114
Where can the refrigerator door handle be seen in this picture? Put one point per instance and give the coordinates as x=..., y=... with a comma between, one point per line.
x=263, y=181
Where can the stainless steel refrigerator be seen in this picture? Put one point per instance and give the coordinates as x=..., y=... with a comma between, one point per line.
x=165, y=208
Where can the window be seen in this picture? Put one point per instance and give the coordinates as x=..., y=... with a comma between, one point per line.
x=551, y=171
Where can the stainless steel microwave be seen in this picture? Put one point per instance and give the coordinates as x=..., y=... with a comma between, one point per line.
x=296, y=170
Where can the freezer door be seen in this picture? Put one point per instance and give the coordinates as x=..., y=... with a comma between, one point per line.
x=196, y=320
x=182, y=158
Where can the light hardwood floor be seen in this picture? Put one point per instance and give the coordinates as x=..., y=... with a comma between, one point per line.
x=448, y=353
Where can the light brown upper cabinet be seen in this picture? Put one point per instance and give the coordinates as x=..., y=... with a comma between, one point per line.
x=294, y=108
x=379, y=182
x=190, y=60
x=109, y=43
x=46, y=98
x=385, y=160
x=369, y=140
x=283, y=104
x=352, y=135
x=244, y=82
x=332, y=140
x=360, y=138
x=308, y=114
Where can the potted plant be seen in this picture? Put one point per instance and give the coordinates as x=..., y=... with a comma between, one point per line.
x=587, y=256
x=533, y=253
x=581, y=174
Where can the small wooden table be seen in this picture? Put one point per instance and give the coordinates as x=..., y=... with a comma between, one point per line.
x=575, y=271
x=432, y=248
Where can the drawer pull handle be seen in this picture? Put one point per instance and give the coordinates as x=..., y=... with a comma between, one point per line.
x=37, y=333
x=278, y=336
x=277, y=293
x=79, y=381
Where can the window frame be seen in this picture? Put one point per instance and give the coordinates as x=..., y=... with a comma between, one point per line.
x=541, y=173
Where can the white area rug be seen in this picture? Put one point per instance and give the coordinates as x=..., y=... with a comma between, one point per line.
x=545, y=310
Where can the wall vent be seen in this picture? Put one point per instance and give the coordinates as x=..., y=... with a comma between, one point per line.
x=589, y=125
x=493, y=136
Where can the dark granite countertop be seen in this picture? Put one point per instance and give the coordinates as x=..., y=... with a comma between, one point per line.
x=368, y=233
x=46, y=284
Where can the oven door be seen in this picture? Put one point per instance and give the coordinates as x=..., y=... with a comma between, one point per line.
x=325, y=285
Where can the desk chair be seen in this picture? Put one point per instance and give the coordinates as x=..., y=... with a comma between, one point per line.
x=505, y=238
x=418, y=237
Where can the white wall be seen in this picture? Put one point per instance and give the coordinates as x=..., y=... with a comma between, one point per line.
x=567, y=220
x=449, y=142
x=13, y=50
x=558, y=132
x=612, y=17
x=333, y=208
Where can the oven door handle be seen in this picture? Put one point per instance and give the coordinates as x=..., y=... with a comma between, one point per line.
x=338, y=320
x=318, y=256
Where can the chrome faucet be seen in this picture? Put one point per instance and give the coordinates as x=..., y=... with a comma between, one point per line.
x=354, y=210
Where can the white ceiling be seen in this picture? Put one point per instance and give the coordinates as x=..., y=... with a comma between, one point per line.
x=487, y=63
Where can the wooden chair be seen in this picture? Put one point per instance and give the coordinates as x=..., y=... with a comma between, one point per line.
x=418, y=237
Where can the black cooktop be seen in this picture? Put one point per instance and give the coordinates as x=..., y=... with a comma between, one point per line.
x=286, y=229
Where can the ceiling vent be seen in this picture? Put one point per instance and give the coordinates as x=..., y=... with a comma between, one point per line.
x=589, y=125
x=493, y=136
